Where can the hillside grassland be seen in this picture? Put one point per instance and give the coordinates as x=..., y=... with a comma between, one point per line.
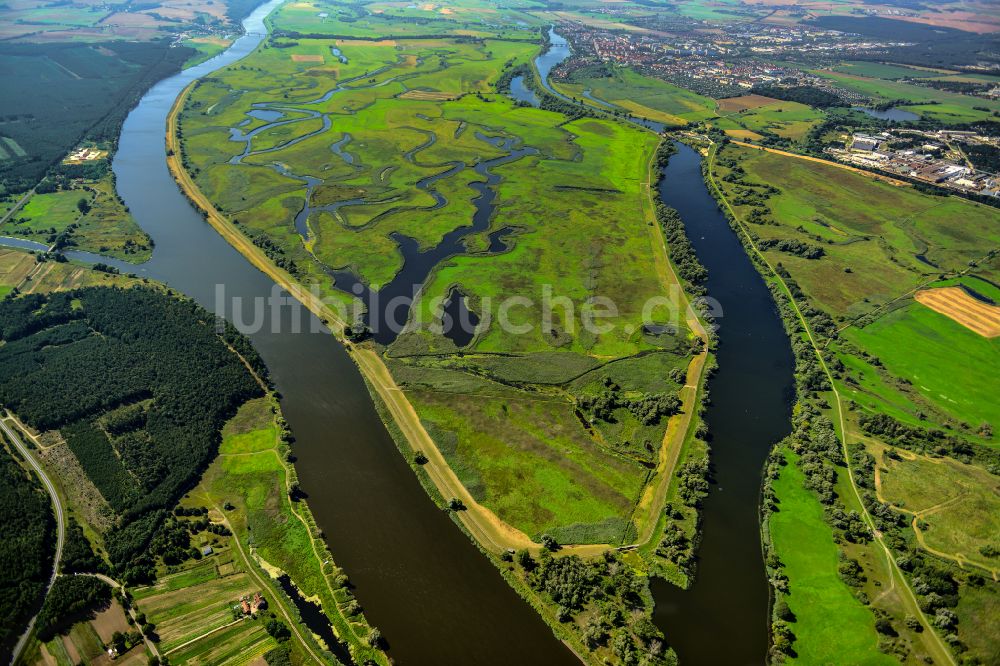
x=905, y=374
x=392, y=165
x=947, y=363
x=872, y=228
x=920, y=361
x=789, y=120
x=980, y=606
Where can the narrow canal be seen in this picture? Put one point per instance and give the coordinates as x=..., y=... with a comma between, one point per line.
x=436, y=599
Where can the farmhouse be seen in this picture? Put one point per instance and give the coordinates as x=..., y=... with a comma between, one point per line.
x=251, y=605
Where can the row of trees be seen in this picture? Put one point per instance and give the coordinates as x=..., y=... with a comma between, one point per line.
x=647, y=409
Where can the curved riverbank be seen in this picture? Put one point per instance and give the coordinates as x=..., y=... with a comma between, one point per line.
x=489, y=530
x=420, y=581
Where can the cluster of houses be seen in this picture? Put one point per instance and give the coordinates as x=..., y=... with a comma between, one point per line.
x=250, y=606
x=85, y=154
x=722, y=56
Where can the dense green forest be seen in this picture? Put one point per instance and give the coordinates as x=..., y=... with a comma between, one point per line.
x=27, y=545
x=56, y=95
x=809, y=95
x=139, y=383
x=78, y=556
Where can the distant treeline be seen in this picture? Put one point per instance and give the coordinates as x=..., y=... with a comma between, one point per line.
x=139, y=383
x=809, y=95
x=237, y=10
x=931, y=46
x=292, y=34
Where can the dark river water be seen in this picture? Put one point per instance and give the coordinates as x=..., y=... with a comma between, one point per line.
x=435, y=597
x=723, y=618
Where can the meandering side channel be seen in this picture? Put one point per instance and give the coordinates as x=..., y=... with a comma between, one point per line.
x=421, y=581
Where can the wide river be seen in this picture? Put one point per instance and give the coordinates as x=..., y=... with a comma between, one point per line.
x=435, y=597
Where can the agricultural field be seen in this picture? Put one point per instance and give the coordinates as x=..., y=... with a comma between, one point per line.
x=85, y=641
x=395, y=137
x=193, y=609
x=190, y=604
x=888, y=71
x=958, y=304
x=474, y=18
x=919, y=344
x=940, y=105
x=21, y=270
x=642, y=95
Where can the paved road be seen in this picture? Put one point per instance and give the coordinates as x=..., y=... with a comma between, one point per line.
x=18, y=205
x=60, y=524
